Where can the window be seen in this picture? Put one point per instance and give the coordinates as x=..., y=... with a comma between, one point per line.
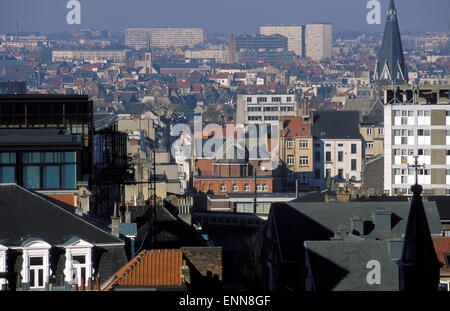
x=353, y=147
x=328, y=173
x=303, y=144
x=317, y=173
x=276, y=99
x=270, y=118
x=340, y=173
x=369, y=145
x=288, y=99
x=317, y=156
x=265, y=187
x=340, y=145
x=262, y=99
x=369, y=131
x=290, y=144
x=7, y=167
x=223, y=188
x=290, y=160
x=340, y=156
x=254, y=118
x=49, y=170
x=258, y=187
x=246, y=187
x=249, y=99
x=36, y=272
x=303, y=161
x=353, y=164
x=380, y=131
x=254, y=108
x=328, y=156
x=235, y=188
x=270, y=108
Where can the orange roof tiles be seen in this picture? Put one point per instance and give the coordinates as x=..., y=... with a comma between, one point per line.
x=150, y=268
x=442, y=248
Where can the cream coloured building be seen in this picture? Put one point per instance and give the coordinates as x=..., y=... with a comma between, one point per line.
x=293, y=33
x=318, y=41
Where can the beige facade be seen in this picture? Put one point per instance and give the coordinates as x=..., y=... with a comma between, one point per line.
x=143, y=38
x=293, y=33
x=297, y=153
x=373, y=140
x=318, y=41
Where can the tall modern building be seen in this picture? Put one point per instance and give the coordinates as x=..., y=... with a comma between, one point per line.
x=293, y=33
x=143, y=38
x=391, y=65
x=318, y=41
x=256, y=44
x=417, y=124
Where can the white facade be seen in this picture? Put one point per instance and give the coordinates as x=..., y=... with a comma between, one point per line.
x=144, y=38
x=318, y=41
x=220, y=56
x=89, y=56
x=409, y=132
x=265, y=108
x=338, y=159
x=293, y=33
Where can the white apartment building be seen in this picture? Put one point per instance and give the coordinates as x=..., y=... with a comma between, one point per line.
x=417, y=128
x=144, y=38
x=89, y=56
x=264, y=108
x=318, y=41
x=219, y=56
x=293, y=33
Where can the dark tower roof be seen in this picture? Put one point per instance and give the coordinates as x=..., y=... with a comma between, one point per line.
x=391, y=63
x=419, y=265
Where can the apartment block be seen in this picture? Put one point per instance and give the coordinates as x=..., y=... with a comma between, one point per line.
x=144, y=38
x=254, y=44
x=89, y=56
x=293, y=33
x=266, y=108
x=318, y=41
x=417, y=124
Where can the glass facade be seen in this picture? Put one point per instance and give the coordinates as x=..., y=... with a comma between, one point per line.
x=49, y=170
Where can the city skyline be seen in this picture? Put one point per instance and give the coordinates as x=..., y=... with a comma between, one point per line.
x=232, y=17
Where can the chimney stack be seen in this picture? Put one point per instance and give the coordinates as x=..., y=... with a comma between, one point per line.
x=115, y=222
x=357, y=225
x=382, y=220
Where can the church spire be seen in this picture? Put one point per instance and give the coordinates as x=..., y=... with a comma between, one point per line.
x=419, y=266
x=391, y=63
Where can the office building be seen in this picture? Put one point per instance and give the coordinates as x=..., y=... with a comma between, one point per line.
x=265, y=108
x=144, y=38
x=293, y=33
x=89, y=56
x=244, y=43
x=318, y=41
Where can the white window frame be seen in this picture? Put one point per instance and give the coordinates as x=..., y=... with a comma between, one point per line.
x=77, y=247
x=290, y=144
x=34, y=247
x=247, y=188
x=303, y=144
x=290, y=159
x=235, y=187
x=223, y=188
x=3, y=266
x=303, y=160
x=265, y=188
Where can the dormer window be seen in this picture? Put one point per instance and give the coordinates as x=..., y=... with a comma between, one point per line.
x=35, y=267
x=78, y=261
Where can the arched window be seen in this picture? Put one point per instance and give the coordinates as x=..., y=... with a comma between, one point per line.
x=235, y=188
x=265, y=187
x=223, y=188
x=258, y=187
x=247, y=188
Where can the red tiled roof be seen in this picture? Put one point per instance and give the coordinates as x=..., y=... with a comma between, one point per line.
x=150, y=268
x=442, y=248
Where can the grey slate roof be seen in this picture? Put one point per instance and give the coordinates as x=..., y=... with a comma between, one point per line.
x=341, y=265
x=24, y=214
x=297, y=222
x=336, y=125
x=391, y=53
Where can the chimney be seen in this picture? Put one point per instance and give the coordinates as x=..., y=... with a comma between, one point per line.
x=382, y=220
x=128, y=214
x=395, y=247
x=357, y=225
x=83, y=196
x=115, y=222
x=185, y=273
x=342, y=230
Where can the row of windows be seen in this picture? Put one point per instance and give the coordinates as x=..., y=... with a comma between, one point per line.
x=410, y=171
x=380, y=131
x=410, y=152
x=302, y=160
x=41, y=170
x=264, y=99
x=290, y=108
x=264, y=187
x=410, y=113
x=420, y=132
x=303, y=144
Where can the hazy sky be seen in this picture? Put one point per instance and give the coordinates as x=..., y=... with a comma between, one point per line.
x=226, y=16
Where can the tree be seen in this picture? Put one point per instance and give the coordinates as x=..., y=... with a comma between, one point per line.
x=252, y=266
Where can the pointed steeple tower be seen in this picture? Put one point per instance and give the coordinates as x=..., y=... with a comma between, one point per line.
x=391, y=64
x=419, y=266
